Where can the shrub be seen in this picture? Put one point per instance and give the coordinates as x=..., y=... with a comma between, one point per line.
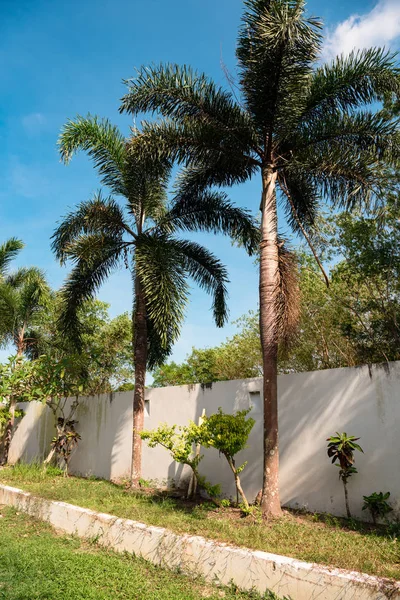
x=228, y=434
x=377, y=505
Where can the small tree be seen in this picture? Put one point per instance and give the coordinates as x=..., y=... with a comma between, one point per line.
x=341, y=447
x=57, y=381
x=179, y=442
x=229, y=435
x=17, y=384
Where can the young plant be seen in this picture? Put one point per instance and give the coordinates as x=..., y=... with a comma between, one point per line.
x=59, y=380
x=228, y=434
x=377, y=505
x=179, y=442
x=341, y=448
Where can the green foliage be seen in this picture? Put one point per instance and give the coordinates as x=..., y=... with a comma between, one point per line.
x=179, y=442
x=106, y=354
x=18, y=381
x=341, y=448
x=237, y=358
x=227, y=433
x=377, y=505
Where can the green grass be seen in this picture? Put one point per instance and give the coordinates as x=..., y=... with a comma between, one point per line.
x=326, y=540
x=36, y=563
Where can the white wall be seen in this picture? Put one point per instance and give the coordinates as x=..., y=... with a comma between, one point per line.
x=312, y=406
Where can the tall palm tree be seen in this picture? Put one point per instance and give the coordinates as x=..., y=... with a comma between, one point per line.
x=101, y=234
x=307, y=130
x=24, y=298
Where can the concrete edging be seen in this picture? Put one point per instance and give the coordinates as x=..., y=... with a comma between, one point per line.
x=195, y=555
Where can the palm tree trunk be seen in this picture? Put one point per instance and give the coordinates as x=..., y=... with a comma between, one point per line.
x=140, y=360
x=269, y=284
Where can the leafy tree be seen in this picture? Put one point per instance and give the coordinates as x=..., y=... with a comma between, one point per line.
x=56, y=382
x=228, y=434
x=366, y=282
x=100, y=235
x=17, y=384
x=106, y=345
x=237, y=358
x=307, y=130
x=341, y=448
x=179, y=442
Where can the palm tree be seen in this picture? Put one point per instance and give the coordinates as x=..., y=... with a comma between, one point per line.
x=100, y=235
x=306, y=129
x=24, y=298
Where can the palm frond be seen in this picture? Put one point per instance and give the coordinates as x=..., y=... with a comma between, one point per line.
x=181, y=94
x=350, y=180
x=363, y=131
x=103, y=142
x=95, y=257
x=9, y=309
x=97, y=216
x=211, y=211
x=208, y=272
x=8, y=251
x=160, y=270
x=348, y=82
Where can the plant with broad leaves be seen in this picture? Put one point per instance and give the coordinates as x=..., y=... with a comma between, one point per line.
x=377, y=505
x=179, y=442
x=341, y=448
x=228, y=434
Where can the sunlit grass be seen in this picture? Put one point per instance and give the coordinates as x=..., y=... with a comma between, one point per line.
x=330, y=541
x=36, y=563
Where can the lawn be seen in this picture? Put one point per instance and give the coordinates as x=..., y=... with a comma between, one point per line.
x=37, y=563
x=314, y=538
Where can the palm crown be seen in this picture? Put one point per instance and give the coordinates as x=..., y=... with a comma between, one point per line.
x=307, y=122
x=100, y=235
x=24, y=296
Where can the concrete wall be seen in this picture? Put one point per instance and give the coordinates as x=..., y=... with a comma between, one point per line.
x=312, y=406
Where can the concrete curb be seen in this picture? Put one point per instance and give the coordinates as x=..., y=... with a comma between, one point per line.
x=195, y=555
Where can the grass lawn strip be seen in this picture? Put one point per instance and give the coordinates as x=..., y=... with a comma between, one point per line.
x=333, y=542
x=37, y=563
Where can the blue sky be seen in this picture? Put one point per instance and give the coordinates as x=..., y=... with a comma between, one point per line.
x=58, y=59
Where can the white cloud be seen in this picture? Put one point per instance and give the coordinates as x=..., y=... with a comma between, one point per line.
x=33, y=122
x=380, y=27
